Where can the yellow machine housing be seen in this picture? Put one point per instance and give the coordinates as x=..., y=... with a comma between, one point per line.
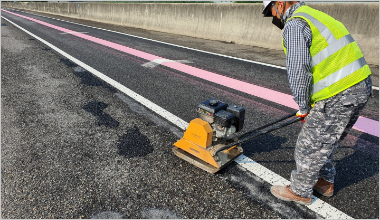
x=196, y=147
x=210, y=141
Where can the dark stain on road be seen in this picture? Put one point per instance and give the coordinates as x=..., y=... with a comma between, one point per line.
x=96, y=109
x=89, y=79
x=67, y=62
x=134, y=144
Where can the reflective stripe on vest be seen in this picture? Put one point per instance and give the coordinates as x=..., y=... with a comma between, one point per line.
x=334, y=45
x=331, y=49
x=338, y=75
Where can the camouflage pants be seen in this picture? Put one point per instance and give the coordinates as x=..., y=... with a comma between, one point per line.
x=326, y=125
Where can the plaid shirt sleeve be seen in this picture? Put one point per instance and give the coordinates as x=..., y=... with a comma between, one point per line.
x=297, y=41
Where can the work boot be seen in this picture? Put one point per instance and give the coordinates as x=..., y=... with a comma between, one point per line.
x=324, y=187
x=284, y=193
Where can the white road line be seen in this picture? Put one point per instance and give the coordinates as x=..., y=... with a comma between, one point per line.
x=157, y=62
x=320, y=207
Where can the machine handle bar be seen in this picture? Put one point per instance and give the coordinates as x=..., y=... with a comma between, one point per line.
x=267, y=125
x=257, y=134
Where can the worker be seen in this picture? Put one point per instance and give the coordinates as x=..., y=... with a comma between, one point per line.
x=326, y=70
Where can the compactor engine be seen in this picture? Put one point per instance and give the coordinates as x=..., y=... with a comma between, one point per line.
x=225, y=120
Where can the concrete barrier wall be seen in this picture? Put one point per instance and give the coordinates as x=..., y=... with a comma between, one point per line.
x=240, y=23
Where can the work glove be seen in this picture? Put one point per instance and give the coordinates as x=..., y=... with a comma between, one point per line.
x=302, y=115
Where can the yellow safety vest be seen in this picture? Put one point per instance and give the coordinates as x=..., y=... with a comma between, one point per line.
x=337, y=62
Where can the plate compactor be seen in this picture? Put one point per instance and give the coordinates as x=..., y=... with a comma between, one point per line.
x=210, y=141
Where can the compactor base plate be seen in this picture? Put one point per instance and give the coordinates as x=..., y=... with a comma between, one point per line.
x=196, y=161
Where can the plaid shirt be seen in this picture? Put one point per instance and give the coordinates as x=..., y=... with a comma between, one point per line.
x=297, y=41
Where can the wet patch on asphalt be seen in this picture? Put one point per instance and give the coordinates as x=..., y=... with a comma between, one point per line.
x=88, y=78
x=96, y=108
x=107, y=215
x=158, y=214
x=141, y=110
x=134, y=144
x=67, y=62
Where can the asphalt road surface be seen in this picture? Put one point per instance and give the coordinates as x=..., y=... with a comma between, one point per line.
x=74, y=146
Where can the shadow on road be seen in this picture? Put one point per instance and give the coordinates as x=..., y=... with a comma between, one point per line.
x=265, y=143
x=360, y=165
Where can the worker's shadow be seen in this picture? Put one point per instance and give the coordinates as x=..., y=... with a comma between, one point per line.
x=360, y=165
x=265, y=143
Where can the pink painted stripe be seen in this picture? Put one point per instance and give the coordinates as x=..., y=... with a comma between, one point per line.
x=363, y=124
x=261, y=92
x=367, y=125
x=119, y=47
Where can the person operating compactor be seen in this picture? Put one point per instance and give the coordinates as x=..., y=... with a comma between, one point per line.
x=331, y=83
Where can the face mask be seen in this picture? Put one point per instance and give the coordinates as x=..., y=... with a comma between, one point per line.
x=278, y=22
